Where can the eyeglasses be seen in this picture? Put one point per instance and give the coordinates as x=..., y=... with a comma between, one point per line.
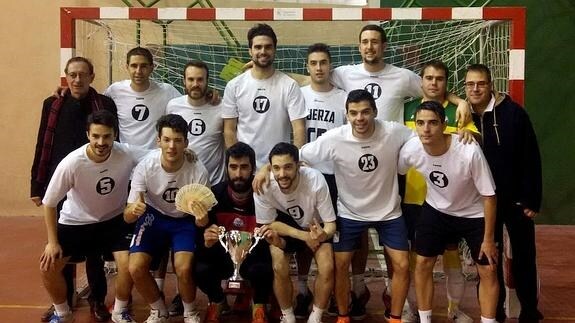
x=479, y=85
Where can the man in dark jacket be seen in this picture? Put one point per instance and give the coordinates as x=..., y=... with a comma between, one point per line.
x=511, y=149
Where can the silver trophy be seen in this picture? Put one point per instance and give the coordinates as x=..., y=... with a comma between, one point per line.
x=238, y=244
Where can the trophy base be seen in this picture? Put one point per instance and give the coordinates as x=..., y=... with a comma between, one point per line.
x=236, y=287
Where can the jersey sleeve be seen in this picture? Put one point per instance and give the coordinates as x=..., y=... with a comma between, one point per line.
x=295, y=103
x=403, y=163
x=413, y=86
x=481, y=173
x=317, y=151
x=203, y=175
x=229, y=103
x=336, y=77
x=138, y=183
x=265, y=212
x=61, y=182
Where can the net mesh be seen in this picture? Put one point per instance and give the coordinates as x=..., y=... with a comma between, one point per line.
x=223, y=45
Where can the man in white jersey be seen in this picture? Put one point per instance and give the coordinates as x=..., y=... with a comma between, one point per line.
x=155, y=182
x=94, y=179
x=262, y=106
x=326, y=106
x=205, y=123
x=140, y=100
x=460, y=202
x=302, y=196
x=364, y=153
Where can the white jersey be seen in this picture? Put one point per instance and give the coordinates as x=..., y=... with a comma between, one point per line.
x=138, y=112
x=456, y=180
x=264, y=109
x=308, y=201
x=389, y=87
x=326, y=111
x=205, y=134
x=161, y=187
x=95, y=192
x=365, y=169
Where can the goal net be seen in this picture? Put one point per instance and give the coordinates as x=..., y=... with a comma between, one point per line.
x=223, y=43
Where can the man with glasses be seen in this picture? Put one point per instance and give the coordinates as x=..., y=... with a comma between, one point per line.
x=511, y=149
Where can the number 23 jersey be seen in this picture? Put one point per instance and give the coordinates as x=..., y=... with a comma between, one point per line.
x=365, y=169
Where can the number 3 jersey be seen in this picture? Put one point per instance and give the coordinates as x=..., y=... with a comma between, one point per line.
x=326, y=110
x=205, y=133
x=95, y=192
x=365, y=169
x=264, y=109
x=161, y=187
x=455, y=180
x=309, y=200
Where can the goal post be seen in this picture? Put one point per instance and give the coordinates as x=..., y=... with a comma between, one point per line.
x=459, y=36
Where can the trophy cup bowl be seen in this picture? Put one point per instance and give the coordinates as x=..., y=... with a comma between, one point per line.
x=238, y=244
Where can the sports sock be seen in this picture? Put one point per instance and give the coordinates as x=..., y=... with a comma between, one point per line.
x=61, y=309
x=425, y=316
x=486, y=320
x=288, y=315
x=119, y=305
x=160, y=306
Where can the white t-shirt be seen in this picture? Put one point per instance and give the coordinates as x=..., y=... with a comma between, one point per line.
x=309, y=200
x=326, y=111
x=161, y=187
x=205, y=134
x=138, y=112
x=389, y=87
x=365, y=169
x=456, y=180
x=95, y=192
x=264, y=109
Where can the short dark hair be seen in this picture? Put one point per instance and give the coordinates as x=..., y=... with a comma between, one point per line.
x=262, y=30
x=434, y=107
x=437, y=64
x=80, y=59
x=284, y=148
x=481, y=68
x=319, y=48
x=172, y=121
x=239, y=150
x=198, y=64
x=104, y=118
x=140, y=51
x=359, y=95
x=374, y=28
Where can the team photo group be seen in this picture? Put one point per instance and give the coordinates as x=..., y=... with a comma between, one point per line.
x=226, y=187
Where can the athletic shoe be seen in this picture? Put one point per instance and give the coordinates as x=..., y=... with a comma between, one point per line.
x=458, y=316
x=357, y=310
x=332, y=307
x=302, y=304
x=99, y=311
x=122, y=317
x=47, y=315
x=259, y=314
x=156, y=318
x=66, y=318
x=192, y=317
x=176, y=308
x=342, y=319
x=212, y=313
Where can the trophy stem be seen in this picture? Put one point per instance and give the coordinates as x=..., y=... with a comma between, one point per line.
x=236, y=276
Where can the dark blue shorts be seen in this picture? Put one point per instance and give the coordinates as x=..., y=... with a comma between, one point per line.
x=155, y=233
x=435, y=230
x=392, y=234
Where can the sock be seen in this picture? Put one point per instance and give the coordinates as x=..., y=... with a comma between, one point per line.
x=316, y=314
x=455, y=282
x=486, y=320
x=62, y=309
x=120, y=306
x=160, y=283
x=425, y=316
x=302, y=285
x=160, y=306
x=288, y=315
x=189, y=307
x=358, y=283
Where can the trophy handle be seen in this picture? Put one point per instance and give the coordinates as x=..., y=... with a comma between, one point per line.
x=257, y=238
x=221, y=236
